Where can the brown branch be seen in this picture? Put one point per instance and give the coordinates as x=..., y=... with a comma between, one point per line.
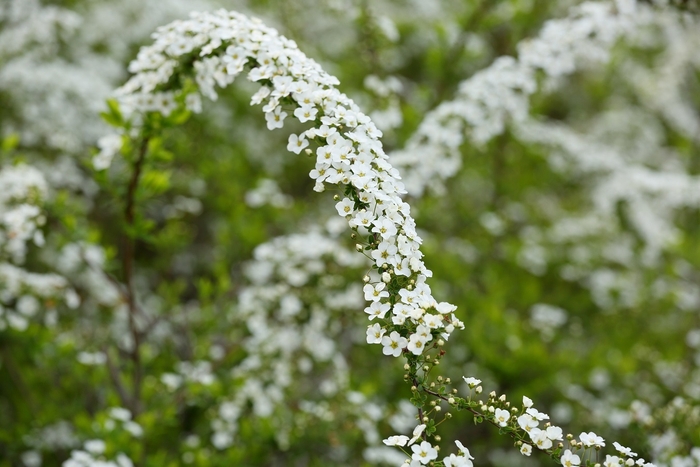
x=116, y=379
x=128, y=271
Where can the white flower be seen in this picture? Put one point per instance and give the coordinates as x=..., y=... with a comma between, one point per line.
x=527, y=402
x=472, y=382
x=457, y=461
x=591, y=439
x=296, y=143
x=345, y=207
x=95, y=446
x=570, y=460
x=305, y=113
x=376, y=292
x=424, y=452
x=502, y=417
x=623, y=450
x=539, y=438
x=526, y=422
x=463, y=449
x=119, y=413
x=536, y=414
x=362, y=218
x=109, y=146
x=385, y=253
x=398, y=440
x=375, y=333
x=393, y=344
x=526, y=449
x=416, y=344
x=417, y=431
x=276, y=118
x=612, y=461
x=554, y=433
x=377, y=310
x=384, y=227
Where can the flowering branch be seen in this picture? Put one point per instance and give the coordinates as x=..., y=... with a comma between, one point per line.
x=189, y=59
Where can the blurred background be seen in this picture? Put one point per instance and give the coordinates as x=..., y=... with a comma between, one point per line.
x=551, y=153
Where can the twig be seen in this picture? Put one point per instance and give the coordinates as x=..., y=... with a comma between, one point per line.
x=128, y=270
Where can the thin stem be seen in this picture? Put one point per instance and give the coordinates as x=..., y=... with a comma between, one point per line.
x=128, y=270
x=116, y=379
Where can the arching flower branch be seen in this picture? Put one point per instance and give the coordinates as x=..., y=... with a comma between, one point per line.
x=212, y=49
x=191, y=58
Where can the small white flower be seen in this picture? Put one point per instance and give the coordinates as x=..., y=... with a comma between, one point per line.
x=472, y=382
x=526, y=449
x=394, y=344
x=275, y=119
x=398, y=440
x=554, y=433
x=536, y=414
x=375, y=333
x=526, y=422
x=345, y=207
x=539, y=438
x=416, y=344
x=305, y=113
x=463, y=449
x=612, y=461
x=384, y=227
x=377, y=310
x=568, y=459
x=457, y=461
x=95, y=446
x=374, y=293
x=591, y=439
x=417, y=431
x=502, y=417
x=296, y=143
x=424, y=452
x=623, y=450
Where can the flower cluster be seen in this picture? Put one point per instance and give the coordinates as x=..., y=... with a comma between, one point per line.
x=349, y=152
x=528, y=426
x=92, y=455
x=288, y=333
x=491, y=98
x=21, y=219
x=282, y=352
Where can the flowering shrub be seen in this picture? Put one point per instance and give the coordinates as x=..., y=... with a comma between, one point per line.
x=142, y=276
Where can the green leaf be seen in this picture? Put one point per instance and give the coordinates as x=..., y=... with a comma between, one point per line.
x=10, y=142
x=113, y=116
